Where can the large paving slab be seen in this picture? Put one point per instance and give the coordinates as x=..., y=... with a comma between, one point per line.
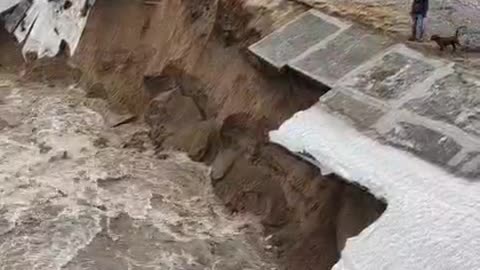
x=424, y=106
x=400, y=97
x=454, y=99
x=391, y=75
x=427, y=143
x=320, y=47
x=360, y=114
x=330, y=60
x=296, y=37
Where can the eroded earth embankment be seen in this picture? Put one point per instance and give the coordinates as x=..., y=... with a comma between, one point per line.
x=182, y=67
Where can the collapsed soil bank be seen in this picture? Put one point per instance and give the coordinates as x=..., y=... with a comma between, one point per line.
x=183, y=65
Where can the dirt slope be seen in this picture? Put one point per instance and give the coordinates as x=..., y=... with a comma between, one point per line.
x=184, y=64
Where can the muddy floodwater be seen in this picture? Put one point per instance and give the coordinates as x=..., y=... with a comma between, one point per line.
x=78, y=194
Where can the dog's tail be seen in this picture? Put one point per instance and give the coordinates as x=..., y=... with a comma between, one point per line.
x=459, y=29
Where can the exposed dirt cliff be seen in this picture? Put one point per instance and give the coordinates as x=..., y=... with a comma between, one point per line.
x=182, y=65
x=10, y=57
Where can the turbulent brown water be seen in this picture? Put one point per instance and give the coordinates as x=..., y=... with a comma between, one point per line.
x=77, y=194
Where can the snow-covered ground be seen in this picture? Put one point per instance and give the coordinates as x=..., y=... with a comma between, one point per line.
x=432, y=220
x=48, y=23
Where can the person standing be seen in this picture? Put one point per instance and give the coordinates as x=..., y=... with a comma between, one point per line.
x=419, y=14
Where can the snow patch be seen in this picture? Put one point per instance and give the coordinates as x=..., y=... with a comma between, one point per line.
x=48, y=23
x=433, y=218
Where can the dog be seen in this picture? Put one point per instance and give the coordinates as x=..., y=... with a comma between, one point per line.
x=444, y=42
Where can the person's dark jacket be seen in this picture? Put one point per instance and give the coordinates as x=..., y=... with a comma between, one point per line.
x=420, y=7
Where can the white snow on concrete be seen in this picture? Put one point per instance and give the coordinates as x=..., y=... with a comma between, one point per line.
x=53, y=25
x=47, y=23
x=31, y=16
x=6, y=4
x=433, y=218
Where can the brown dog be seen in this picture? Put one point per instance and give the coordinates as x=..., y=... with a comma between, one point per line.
x=444, y=42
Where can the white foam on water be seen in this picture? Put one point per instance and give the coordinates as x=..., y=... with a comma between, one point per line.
x=67, y=203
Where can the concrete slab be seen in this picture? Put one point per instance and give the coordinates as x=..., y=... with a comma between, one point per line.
x=297, y=36
x=424, y=142
x=330, y=60
x=420, y=105
x=454, y=99
x=15, y=18
x=470, y=166
x=362, y=114
x=8, y=4
x=46, y=24
x=390, y=76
